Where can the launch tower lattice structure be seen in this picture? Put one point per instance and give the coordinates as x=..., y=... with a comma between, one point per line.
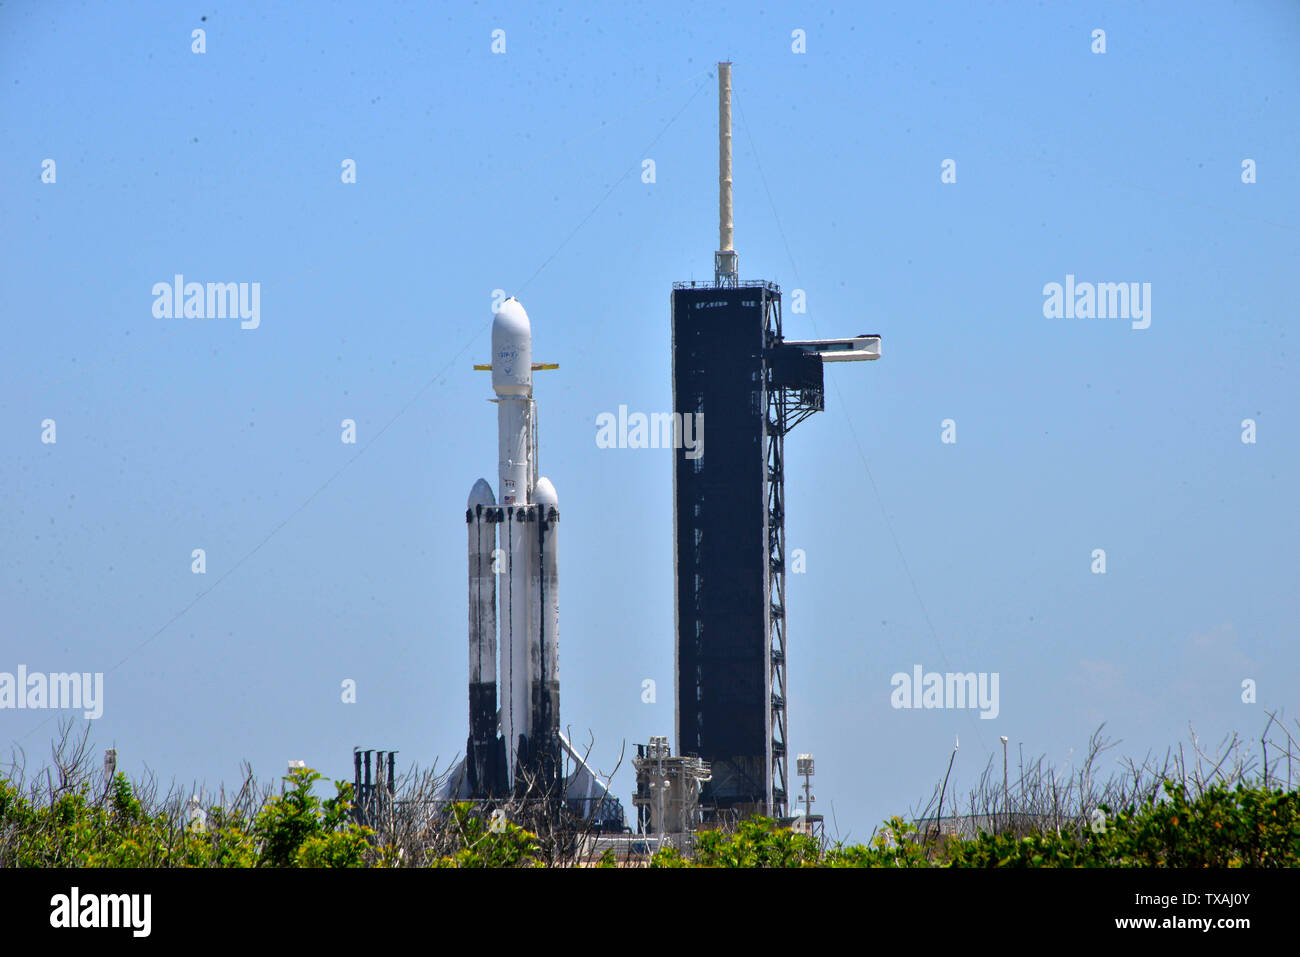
x=733, y=367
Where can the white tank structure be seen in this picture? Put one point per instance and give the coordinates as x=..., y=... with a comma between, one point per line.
x=514, y=581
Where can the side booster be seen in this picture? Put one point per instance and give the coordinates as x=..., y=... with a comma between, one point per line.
x=514, y=591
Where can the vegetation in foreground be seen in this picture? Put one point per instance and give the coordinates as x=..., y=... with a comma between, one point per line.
x=1239, y=827
x=1232, y=817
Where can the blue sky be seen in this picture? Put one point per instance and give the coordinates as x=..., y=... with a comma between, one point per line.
x=522, y=171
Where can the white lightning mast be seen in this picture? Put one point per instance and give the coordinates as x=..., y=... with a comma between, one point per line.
x=725, y=271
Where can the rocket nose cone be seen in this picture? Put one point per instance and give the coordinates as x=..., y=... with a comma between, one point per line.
x=511, y=319
x=481, y=494
x=544, y=493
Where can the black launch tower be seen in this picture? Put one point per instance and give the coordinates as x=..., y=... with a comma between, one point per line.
x=733, y=366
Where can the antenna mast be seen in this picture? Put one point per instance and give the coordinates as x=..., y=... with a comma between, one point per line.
x=724, y=260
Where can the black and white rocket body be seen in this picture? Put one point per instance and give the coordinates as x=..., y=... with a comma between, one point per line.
x=514, y=745
x=485, y=755
x=515, y=748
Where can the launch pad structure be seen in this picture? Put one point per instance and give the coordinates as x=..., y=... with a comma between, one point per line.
x=732, y=363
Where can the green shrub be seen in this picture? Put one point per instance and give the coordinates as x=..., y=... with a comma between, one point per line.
x=1241, y=827
x=480, y=846
x=298, y=829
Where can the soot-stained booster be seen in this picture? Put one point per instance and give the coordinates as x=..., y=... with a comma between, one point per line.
x=513, y=589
